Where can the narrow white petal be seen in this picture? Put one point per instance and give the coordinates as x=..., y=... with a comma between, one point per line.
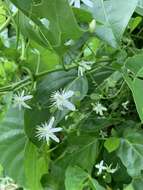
x=88, y=3
x=77, y=3
x=28, y=97
x=22, y=93
x=104, y=109
x=51, y=122
x=68, y=94
x=53, y=137
x=101, y=112
x=25, y=105
x=80, y=71
x=54, y=130
x=47, y=139
x=69, y=105
x=87, y=67
x=71, y=2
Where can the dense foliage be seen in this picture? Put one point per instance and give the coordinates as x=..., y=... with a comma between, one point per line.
x=71, y=86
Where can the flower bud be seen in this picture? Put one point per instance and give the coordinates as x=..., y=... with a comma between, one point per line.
x=92, y=26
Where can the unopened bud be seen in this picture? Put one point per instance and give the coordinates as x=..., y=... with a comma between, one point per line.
x=92, y=26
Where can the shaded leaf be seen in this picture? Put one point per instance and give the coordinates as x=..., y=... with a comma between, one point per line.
x=12, y=143
x=82, y=147
x=58, y=13
x=135, y=66
x=95, y=185
x=112, y=143
x=75, y=178
x=131, y=151
x=113, y=17
x=35, y=167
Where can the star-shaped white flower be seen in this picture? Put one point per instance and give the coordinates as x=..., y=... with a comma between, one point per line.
x=84, y=66
x=19, y=100
x=99, y=108
x=100, y=167
x=125, y=104
x=111, y=170
x=60, y=100
x=76, y=3
x=46, y=131
x=103, y=134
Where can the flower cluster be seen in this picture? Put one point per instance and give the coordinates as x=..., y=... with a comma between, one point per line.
x=59, y=99
x=101, y=167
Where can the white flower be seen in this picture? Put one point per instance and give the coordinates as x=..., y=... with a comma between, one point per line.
x=103, y=134
x=19, y=100
x=7, y=183
x=99, y=108
x=76, y=3
x=45, y=22
x=84, y=66
x=69, y=42
x=125, y=104
x=60, y=100
x=111, y=170
x=13, y=8
x=100, y=167
x=46, y=131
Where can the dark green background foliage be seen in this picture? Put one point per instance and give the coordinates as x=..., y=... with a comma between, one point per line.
x=42, y=46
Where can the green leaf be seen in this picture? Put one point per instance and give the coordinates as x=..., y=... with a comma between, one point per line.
x=12, y=143
x=1, y=171
x=134, y=23
x=135, y=65
x=129, y=187
x=113, y=17
x=35, y=167
x=46, y=59
x=2, y=13
x=58, y=13
x=78, y=150
x=131, y=151
x=75, y=178
x=112, y=143
x=31, y=31
x=95, y=185
x=136, y=184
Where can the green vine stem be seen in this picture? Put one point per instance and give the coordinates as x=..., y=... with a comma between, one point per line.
x=28, y=81
x=7, y=22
